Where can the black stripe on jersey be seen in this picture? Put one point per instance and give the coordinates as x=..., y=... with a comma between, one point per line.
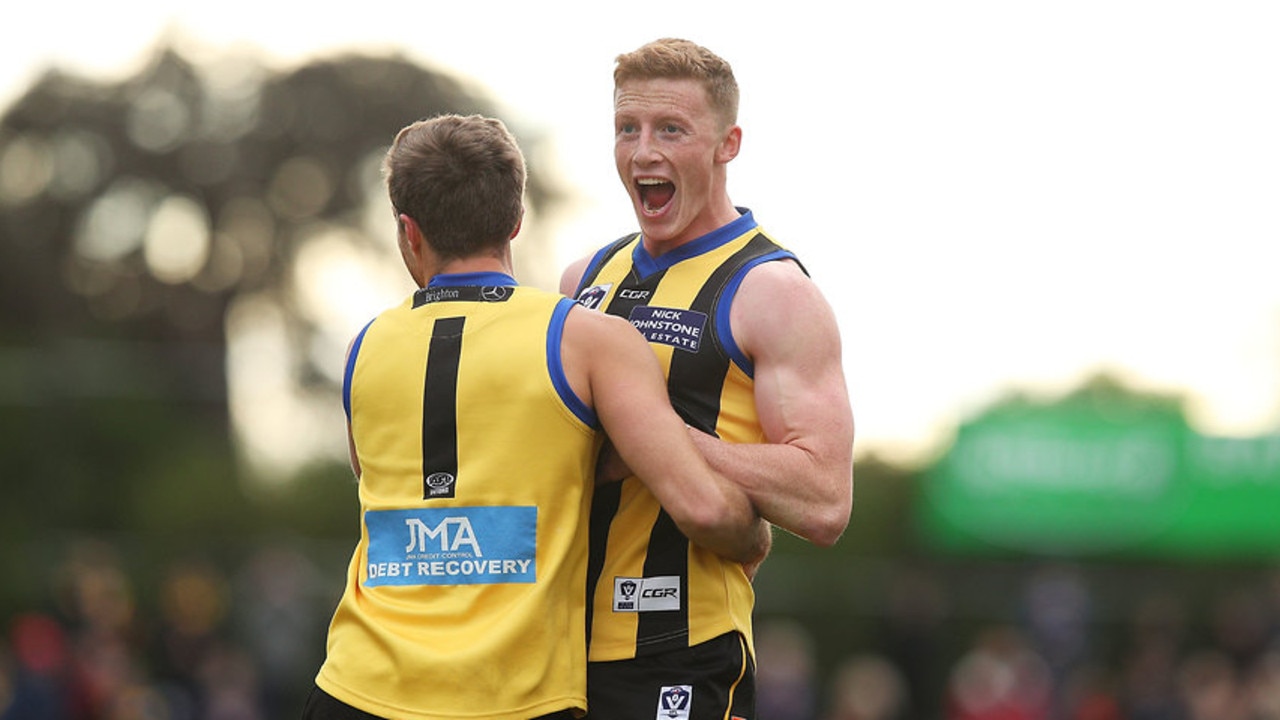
x=694, y=382
x=633, y=293
x=668, y=554
x=656, y=631
x=604, y=506
x=440, y=409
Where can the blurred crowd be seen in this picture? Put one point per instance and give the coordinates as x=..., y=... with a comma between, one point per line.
x=1059, y=656
x=196, y=642
x=203, y=641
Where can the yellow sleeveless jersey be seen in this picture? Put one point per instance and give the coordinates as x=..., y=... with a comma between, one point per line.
x=651, y=589
x=464, y=596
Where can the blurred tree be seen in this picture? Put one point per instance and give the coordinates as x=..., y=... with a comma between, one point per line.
x=174, y=248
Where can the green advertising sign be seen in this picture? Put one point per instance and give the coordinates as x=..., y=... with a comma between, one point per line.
x=1083, y=477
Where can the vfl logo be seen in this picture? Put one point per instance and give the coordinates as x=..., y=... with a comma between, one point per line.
x=438, y=485
x=624, y=595
x=674, y=702
x=592, y=297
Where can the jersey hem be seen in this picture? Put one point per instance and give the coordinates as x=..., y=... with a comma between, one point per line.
x=574, y=703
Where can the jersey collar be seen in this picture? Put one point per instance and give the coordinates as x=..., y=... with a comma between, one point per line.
x=488, y=279
x=646, y=264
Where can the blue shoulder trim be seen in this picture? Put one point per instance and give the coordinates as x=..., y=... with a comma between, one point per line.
x=351, y=368
x=555, y=333
x=723, y=329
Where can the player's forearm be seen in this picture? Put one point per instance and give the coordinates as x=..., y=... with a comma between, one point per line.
x=723, y=520
x=791, y=487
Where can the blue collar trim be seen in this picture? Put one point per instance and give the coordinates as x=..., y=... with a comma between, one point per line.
x=486, y=279
x=647, y=264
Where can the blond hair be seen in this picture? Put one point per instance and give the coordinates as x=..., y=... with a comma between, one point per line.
x=677, y=59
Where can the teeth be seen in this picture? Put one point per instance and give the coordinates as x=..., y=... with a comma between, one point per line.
x=649, y=181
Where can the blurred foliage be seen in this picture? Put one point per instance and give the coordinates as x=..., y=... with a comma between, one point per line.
x=133, y=216
x=141, y=221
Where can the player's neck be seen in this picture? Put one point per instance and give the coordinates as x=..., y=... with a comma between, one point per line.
x=475, y=264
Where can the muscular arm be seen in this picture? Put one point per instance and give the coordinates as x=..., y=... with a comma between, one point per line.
x=802, y=478
x=611, y=367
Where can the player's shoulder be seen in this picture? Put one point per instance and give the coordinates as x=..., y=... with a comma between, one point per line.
x=594, y=325
x=575, y=270
x=572, y=275
x=776, y=298
x=780, y=274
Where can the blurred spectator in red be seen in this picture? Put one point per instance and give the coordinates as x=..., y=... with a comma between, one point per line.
x=999, y=678
x=44, y=681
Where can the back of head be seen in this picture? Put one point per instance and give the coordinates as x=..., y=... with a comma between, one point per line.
x=461, y=179
x=677, y=59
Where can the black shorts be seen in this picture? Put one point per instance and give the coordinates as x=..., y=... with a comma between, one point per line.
x=323, y=706
x=712, y=681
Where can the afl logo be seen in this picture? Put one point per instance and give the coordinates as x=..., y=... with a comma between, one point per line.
x=494, y=293
x=437, y=485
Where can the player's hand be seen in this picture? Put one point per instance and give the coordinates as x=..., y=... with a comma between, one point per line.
x=610, y=466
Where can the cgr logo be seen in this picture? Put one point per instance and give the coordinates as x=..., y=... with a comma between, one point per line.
x=650, y=594
x=452, y=533
x=630, y=294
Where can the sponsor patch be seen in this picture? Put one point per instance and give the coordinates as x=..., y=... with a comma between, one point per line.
x=678, y=328
x=646, y=594
x=674, y=702
x=452, y=546
x=438, y=485
x=590, y=298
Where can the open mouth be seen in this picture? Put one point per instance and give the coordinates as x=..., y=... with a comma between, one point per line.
x=655, y=194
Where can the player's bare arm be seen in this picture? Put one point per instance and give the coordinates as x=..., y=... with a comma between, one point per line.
x=802, y=478
x=610, y=468
x=624, y=382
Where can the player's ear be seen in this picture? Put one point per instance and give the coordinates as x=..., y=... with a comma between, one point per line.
x=408, y=234
x=519, y=223
x=730, y=145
